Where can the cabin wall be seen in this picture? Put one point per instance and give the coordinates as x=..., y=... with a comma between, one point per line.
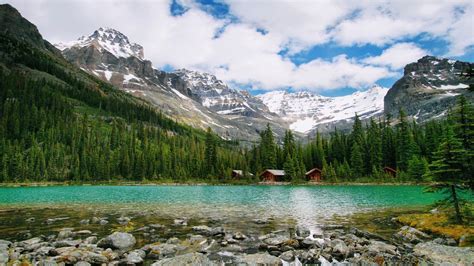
x=314, y=176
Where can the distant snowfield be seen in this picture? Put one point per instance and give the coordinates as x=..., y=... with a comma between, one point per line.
x=306, y=110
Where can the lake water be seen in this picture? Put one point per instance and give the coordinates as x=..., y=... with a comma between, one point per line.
x=308, y=205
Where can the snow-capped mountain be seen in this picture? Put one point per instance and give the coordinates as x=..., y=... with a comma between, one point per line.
x=429, y=87
x=107, y=39
x=305, y=111
x=217, y=96
x=195, y=98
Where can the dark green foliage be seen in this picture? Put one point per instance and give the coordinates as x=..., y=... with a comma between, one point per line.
x=447, y=170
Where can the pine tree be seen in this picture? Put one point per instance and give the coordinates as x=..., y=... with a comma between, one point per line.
x=405, y=142
x=446, y=170
x=211, y=152
x=417, y=168
x=268, y=149
x=357, y=163
x=463, y=118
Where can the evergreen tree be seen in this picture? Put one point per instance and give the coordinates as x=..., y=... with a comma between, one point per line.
x=211, y=152
x=357, y=163
x=446, y=170
x=268, y=149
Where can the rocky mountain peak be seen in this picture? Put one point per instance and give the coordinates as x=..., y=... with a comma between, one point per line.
x=429, y=87
x=110, y=40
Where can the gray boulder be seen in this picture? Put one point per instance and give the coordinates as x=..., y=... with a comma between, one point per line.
x=118, y=240
x=288, y=256
x=441, y=254
x=136, y=256
x=259, y=259
x=411, y=235
x=302, y=231
x=376, y=247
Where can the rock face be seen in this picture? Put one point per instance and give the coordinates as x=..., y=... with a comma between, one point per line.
x=118, y=240
x=441, y=254
x=429, y=87
x=195, y=98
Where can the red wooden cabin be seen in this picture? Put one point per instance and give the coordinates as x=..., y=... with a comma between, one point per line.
x=272, y=175
x=314, y=175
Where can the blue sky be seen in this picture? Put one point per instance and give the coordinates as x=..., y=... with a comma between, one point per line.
x=433, y=45
x=330, y=47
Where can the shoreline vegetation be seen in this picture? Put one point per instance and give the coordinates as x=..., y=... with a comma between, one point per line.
x=207, y=183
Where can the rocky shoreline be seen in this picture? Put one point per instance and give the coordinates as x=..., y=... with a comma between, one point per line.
x=215, y=245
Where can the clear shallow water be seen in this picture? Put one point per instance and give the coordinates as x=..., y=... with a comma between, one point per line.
x=234, y=207
x=304, y=203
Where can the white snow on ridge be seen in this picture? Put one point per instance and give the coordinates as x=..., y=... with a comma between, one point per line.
x=182, y=96
x=452, y=87
x=305, y=110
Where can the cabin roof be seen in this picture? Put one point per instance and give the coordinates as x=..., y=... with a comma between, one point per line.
x=386, y=168
x=313, y=170
x=275, y=172
x=240, y=172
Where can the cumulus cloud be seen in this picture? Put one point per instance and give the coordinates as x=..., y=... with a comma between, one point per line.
x=235, y=49
x=397, y=56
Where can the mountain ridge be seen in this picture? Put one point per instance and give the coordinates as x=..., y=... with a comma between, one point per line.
x=202, y=100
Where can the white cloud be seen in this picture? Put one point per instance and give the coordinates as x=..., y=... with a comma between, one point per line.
x=337, y=73
x=397, y=56
x=385, y=22
x=300, y=24
x=241, y=54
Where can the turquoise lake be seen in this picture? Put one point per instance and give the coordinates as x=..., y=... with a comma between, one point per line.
x=233, y=206
x=300, y=202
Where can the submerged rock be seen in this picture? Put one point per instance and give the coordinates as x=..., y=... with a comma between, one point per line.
x=161, y=251
x=52, y=220
x=208, y=231
x=123, y=220
x=182, y=221
x=118, y=240
x=186, y=259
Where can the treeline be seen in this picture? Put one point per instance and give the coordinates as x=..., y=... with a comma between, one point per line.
x=362, y=154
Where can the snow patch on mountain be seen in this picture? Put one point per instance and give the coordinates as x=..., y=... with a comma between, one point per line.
x=305, y=110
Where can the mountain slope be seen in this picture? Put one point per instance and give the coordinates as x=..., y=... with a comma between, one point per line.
x=307, y=112
x=59, y=123
x=198, y=99
x=429, y=87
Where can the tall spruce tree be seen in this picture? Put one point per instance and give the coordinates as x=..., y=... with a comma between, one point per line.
x=446, y=170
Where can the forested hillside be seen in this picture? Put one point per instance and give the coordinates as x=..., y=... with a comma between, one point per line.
x=58, y=123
